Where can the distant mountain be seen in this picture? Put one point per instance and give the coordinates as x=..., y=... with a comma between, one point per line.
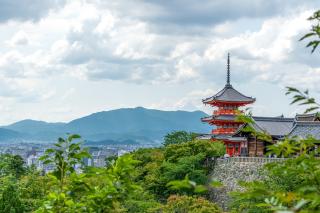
x=138, y=124
x=10, y=135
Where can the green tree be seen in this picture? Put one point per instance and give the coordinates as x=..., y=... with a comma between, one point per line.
x=65, y=155
x=17, y=166
x=109, y=189
x=178, y=137
x=12, y=165
x=174, y=162
x=185, y=204
x=10, y=200
x=110, y=160
x=290, y=186
x=33, y=189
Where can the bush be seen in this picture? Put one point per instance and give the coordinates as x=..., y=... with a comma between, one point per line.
x=185, y=204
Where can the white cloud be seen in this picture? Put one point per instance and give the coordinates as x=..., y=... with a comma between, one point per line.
x=20, y=38
x=151, y=43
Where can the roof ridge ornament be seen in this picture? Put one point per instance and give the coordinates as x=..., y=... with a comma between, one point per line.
x=228, y=70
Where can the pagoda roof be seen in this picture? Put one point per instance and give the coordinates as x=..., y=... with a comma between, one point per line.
x=229, y=94
x=220, y=118
x=228, y=138
x=303, y=129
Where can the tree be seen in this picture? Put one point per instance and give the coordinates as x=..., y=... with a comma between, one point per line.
x=178, y=137
x=185, y=204
x=110, y=160
x=65, y=156
x=291, y=186
x=10, y=200
x=174, y=162
x=17, y=166
x=12, y=165
x=96, y=189
x=33, y=188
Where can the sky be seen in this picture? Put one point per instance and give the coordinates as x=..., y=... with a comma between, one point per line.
x=64, y=59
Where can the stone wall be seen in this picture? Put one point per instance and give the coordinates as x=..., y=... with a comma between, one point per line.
x=230, y=171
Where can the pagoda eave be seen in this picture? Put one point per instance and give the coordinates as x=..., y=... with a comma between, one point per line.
x=222, y=103
x=215, y=122
x=228, y=139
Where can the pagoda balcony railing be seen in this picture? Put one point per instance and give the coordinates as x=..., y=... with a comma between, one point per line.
x=226, y=112
x=224, y=130
x=250, y=159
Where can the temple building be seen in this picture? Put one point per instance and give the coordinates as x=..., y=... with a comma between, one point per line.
x=227, y=128
x=227, y=102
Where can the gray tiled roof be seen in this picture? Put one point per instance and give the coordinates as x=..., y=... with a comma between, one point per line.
x=275, y=126
x=304, y=129
x=228, y=93
x=306, y=117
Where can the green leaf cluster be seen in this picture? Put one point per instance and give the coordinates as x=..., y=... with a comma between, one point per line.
x=178, y=137
x=303, y=98
x=162, y=169
x=289, y=186
x=314, y=32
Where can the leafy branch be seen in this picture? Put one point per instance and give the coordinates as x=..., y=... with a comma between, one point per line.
x=314, y=32
x=303, y=98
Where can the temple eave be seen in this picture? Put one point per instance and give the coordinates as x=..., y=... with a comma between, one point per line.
x=223, y=102
x=216, y=121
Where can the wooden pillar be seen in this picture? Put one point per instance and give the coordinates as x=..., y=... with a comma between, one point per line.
x=233, y=149
x=256, y=146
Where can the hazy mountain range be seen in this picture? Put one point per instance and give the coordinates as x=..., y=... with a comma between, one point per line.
x=127, y=125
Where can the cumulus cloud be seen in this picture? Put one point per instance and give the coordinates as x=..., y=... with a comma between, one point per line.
x=24, y=10
x=153, y=42
x=19, y=39
x=191, y=17
x=117, y=48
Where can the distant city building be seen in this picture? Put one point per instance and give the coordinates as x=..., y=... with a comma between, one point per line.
x=99, y=156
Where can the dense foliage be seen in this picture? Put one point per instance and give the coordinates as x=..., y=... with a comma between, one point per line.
x=183, y=204
x=158, y=167
x=289, y=186
x=178, y=137
x=137, y=182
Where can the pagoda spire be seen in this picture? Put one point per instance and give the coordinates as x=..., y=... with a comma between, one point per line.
x=228, y=70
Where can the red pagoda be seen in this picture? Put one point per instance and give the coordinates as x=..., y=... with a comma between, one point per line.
x=227, y=101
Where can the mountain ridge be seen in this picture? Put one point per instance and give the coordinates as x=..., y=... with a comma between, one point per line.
x=119, y=124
